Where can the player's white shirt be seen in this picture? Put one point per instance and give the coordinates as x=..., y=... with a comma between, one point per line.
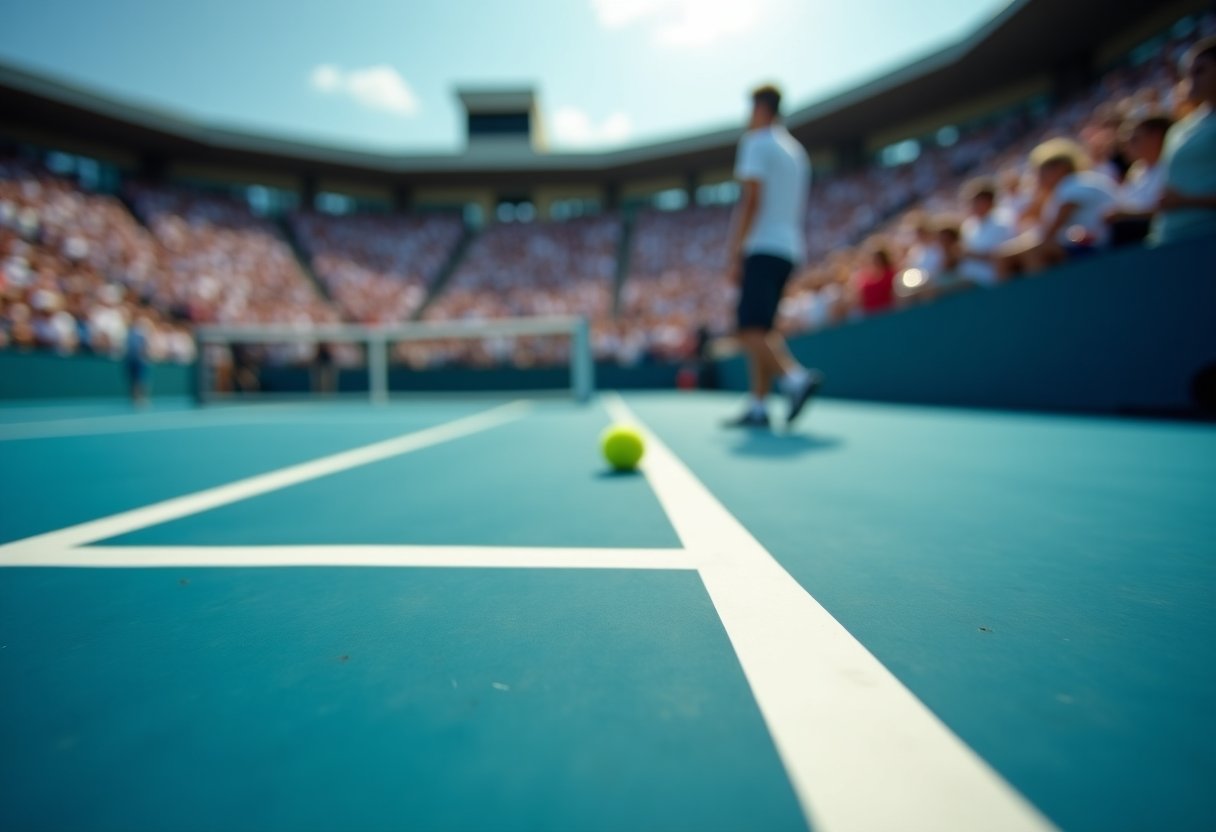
x=775, y=159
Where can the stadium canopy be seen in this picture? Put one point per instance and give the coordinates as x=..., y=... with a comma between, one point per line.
x=1032, y=47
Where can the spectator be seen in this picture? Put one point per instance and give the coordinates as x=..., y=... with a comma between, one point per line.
x=926, y=254
x=1188, y=203
x=1141, y=189
x=981, y=234
x=875, y=283
x=1074, y=204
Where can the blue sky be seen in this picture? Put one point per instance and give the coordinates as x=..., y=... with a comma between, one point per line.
x=380, y=75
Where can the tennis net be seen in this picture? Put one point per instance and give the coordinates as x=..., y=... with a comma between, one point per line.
x=378, y=361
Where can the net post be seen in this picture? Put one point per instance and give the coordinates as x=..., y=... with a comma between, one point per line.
x=377, y=367
x=582, y=363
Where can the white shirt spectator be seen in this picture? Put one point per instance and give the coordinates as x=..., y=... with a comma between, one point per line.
x=1189, y=159
x=775, y=159
x=1142, y=188
x=928, y=257
x=982, y=235
x=1093, y=194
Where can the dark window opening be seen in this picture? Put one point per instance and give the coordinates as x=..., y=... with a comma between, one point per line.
x=500, y=124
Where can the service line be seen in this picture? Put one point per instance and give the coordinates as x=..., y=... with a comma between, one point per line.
x=479, y=557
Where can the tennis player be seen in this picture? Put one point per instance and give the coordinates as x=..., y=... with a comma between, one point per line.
x=765, y=243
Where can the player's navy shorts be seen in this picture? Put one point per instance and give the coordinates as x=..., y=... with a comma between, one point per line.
x=764, y=278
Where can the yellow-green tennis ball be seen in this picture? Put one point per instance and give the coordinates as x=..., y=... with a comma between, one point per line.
x=622, y=446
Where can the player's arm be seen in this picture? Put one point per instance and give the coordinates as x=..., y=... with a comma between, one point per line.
x=741, y=223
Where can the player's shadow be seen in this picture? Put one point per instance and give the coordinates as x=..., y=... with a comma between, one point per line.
x=763, y=443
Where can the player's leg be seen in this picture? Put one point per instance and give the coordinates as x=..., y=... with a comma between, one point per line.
x=797, y=382
x=763, y=365
x=769, y=359
x=752, y=323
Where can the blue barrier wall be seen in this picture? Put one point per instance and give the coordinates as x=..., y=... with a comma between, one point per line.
x=1121, y=332
x=40, y=375
x=401, y=380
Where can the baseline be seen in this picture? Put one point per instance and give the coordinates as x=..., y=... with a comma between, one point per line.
x=862, y=752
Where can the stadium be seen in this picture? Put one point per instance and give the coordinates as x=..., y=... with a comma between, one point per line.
x=305, y=524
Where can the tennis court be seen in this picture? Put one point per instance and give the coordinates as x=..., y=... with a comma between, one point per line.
x=444, y=613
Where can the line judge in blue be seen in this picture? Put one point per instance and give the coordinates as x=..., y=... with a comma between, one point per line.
x=764, y=245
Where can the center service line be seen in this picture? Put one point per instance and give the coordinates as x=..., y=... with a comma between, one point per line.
x=862, y=752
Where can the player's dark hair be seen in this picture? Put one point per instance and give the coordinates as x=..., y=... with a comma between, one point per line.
x=769, y=96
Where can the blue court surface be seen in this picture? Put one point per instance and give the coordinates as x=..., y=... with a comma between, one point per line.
x=446, y=614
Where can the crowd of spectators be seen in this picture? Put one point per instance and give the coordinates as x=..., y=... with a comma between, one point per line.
x=675, y=283
x=1028, y=193
x=223, y=264
x=74, y=269
x=970, y=207
x=378, y=268
x=515, y=269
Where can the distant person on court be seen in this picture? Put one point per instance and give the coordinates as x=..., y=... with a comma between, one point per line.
x=139, y=367
x=764, y=244
x=1187, y=207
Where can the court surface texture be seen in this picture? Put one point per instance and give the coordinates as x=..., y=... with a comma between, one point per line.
x=446, y=614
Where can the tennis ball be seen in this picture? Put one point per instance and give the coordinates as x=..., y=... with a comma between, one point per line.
x=622, y=446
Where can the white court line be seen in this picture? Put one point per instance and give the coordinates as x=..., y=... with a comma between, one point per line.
x=54, y=542
x=144, y=422
x=483, y=557
x=863, y=753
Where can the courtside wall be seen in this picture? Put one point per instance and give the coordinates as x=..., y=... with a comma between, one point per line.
x=40, y=375
x=1122, y=332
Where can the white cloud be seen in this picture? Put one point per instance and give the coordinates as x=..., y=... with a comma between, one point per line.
x=375, y=87
x=574, y=128
x=682, y=22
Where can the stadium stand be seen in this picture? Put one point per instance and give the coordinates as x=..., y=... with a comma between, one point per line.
x=928, y=195
x=225, y=265
x=79, y=269
x=675, y=283
x=515, y=269
x=378, y=269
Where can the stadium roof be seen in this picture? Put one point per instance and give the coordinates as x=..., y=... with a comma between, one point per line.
x=1029, y=41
